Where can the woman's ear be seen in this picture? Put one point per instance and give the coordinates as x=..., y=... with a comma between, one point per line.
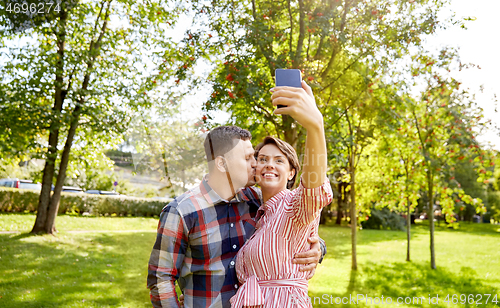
x=292, y=174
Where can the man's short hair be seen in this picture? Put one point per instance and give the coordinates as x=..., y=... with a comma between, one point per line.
x=223, y=139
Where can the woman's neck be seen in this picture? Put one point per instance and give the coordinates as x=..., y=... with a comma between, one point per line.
x=268, y=193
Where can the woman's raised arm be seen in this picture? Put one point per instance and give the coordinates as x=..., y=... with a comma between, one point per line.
x=300, y=104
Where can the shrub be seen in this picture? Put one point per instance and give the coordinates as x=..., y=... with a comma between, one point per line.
x=23, y=200
x=493, y=207
x=384, y=219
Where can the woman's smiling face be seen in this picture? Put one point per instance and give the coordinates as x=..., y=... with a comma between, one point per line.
x=273, y=169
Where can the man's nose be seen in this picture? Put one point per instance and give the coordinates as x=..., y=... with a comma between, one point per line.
x=254, y=162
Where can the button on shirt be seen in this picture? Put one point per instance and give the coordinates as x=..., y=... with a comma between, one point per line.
x=199, y=235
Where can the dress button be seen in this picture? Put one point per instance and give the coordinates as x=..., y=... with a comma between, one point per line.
x=232, y=263
x=232, y=225
x=234, y=246
x=236, y=286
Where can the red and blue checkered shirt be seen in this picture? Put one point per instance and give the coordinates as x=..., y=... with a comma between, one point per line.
x=199, y=235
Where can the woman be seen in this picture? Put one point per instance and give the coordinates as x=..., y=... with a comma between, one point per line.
x=264, y=264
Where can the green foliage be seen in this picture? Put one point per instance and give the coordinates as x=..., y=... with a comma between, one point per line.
x=496, y=173
x=334, y=43
x=144, y=191
x=15, y=168
x=384, y=219
x=168, y=149
x=21, y=200
x=18, y=200
x=77, y=79
x=90, y=170
x=493, y=207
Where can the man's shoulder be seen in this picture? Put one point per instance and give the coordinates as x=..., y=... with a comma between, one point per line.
x=253, y=196
x=252, y=191
x=183, y=204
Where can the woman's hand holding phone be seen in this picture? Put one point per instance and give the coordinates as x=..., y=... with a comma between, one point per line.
x=299, y=103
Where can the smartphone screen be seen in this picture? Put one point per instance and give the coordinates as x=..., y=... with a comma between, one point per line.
x=289, y=78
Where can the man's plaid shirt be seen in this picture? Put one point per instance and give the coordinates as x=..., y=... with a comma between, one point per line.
x=199, y=235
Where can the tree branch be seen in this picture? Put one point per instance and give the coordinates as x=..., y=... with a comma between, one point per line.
x=320, y=46
x=308, y=45
x=344, y=71
x=291, y=24
x=334, y=53
x=300, y=41
x=94, y=49
x=348, y=107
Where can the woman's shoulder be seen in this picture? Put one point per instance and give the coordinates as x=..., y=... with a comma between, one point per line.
x=276, y=202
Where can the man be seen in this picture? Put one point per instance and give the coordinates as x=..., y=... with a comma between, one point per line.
x=201, y=231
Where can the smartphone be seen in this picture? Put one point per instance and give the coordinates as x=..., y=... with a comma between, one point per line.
x=289, y=78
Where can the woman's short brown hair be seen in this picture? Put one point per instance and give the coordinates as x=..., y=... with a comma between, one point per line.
x=286, y=149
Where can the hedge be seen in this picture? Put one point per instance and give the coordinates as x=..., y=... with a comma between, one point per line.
x=24, y=200
x=384, y=219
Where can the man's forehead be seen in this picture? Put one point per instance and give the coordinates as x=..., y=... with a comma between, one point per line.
x=248, y=146
x=243, y=146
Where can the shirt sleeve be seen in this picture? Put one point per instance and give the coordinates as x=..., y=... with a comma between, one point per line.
x=166, y=258
x=323, y=249
x=306, y=203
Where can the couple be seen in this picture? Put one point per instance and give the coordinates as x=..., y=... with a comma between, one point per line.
x=229, y=244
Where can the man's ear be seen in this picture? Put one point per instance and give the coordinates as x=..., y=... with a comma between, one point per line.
x=220, y=164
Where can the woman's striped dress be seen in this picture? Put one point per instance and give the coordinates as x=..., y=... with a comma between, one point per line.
x=264, y=264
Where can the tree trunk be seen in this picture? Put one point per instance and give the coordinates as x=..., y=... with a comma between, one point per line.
x=339, y=214
x=353, y=211
x=49, y=168
x=430, y=215
x=49, y=206
x=56, y=197
x=48, y=175
x=340, y=201
x=408, y=226
x=290, y=132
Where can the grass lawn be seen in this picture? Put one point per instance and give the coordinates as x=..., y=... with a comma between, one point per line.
x=108, y=269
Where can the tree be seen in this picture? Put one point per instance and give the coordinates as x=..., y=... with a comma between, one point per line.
x=390, y=177
x=169, y=149
x=443, y=121
x=343, y=49
x=78, y=78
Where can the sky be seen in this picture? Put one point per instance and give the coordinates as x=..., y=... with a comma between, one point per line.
x=478, y=44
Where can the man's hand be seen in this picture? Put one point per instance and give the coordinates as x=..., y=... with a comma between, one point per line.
x=310, y=258
x=181, y=300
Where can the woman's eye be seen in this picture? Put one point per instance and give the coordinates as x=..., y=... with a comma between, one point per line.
x=280, y=161
x=262, y=160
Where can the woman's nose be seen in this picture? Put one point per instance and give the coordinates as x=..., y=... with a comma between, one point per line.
x=269, y=165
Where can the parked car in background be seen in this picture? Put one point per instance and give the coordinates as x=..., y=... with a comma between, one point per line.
x=72, y=189
x=102, y=192
x=22, y=184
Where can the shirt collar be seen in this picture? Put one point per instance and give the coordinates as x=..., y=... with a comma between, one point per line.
x=214, y=199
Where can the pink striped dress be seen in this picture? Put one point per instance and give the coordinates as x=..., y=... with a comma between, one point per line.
x=264, y=264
